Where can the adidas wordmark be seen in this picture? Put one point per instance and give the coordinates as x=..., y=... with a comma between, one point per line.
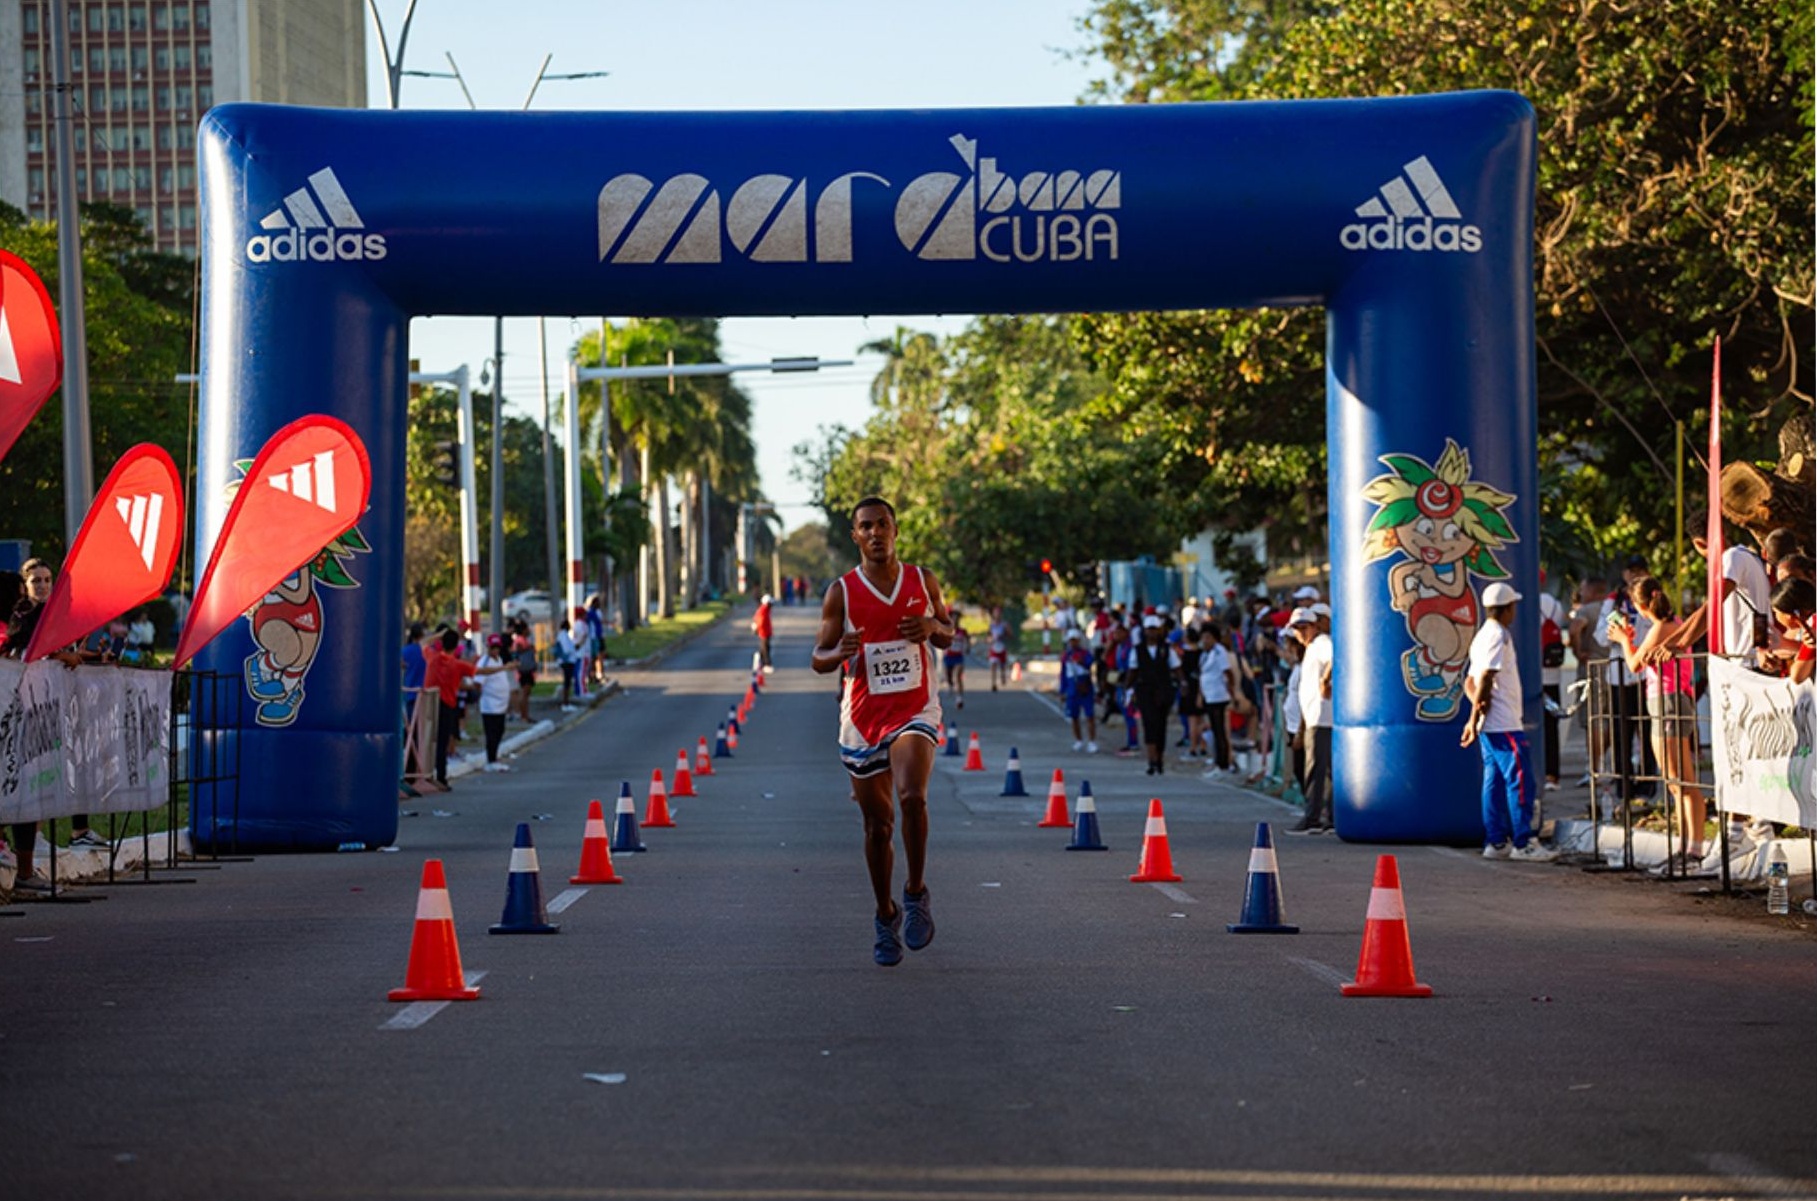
x=1422, y=216
x=313, y=225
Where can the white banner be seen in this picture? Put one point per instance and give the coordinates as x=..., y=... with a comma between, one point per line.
x=92, y=740
x=1764, y=730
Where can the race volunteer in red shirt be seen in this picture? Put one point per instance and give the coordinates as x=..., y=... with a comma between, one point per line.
x=445, y=672
x=883, y=615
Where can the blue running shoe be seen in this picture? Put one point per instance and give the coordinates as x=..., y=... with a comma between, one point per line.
x=918, y=926
x=888, y=951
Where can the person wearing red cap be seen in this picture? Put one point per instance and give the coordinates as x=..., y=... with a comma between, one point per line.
x=494, y=675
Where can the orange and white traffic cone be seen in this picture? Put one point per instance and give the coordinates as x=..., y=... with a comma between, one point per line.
x=596, y=851
x=703, y=759
x=1385, y=967
x=1015, y=672
x=434, y=972
x=1156, y=866
x=732, y=738
x=656, y=808
x=974, y=755
x=684, y=779
x=1056, y=805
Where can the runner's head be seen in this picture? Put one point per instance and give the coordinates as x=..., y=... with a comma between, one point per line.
x=874, y=528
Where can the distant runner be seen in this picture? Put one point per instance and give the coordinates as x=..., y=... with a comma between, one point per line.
x=882, y=616
x=954, y=659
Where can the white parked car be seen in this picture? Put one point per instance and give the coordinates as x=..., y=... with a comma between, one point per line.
x=533, y=606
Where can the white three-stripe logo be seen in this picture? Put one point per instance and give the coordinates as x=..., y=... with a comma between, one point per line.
x=312, y=481
x=9, y=358
x=142, y=515
x=1401, y=200
x=305, y=213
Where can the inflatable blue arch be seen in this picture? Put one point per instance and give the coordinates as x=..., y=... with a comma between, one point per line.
x=1410, y=219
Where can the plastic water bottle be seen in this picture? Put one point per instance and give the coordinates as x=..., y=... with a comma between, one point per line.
x=1778, y=873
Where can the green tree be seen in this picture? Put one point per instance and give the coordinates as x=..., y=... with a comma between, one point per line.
x=695, y=430
x=139, y=308
x=1674, y=204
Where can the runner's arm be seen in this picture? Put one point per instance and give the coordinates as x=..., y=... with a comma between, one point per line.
x=937, y=629
x=835, y=644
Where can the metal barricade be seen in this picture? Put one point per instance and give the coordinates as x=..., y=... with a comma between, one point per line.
x=1645, y=748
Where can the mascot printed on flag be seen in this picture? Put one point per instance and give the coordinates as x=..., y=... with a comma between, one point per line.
x=287, y=626
x=1445, y=528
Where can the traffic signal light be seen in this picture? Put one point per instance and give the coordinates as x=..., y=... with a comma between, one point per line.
x=448, y=463
x=1047, y=567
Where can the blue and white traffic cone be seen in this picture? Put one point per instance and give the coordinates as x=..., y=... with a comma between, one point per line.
x=524, y=912
x=1262, y=897
x=732, y=720
x=625, y=836
x=1085, y=822
x=720, y=749
x=1012, y=776
x=952, y=740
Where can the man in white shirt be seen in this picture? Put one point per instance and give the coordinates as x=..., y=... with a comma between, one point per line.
x=1745, y=589
x=494, y=698
x=1217, y=682
x=1494, y=688
x=1312, y=625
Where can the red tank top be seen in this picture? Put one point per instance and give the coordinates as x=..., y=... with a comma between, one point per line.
x=892, y=678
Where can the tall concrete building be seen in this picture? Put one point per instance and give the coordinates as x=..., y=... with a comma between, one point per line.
x=142, y=73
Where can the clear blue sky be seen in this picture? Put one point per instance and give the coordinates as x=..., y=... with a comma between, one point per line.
x=731, y=54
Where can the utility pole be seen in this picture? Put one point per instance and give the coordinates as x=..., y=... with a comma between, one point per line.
x=495, y=586
x=552, y=545
x=78, y=452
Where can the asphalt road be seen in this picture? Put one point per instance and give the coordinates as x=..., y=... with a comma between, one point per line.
x=715, y=1028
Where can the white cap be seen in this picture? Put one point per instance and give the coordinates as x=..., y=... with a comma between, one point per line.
x=1498, y=594
x=766, y=599
x=1305, y=592
x=1074, y=632
x=1302, y=617
x=1319, y=610
x=1151, y=622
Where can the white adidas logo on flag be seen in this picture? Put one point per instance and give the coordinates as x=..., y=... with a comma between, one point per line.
x=142, y=515
x=1419, y=217
x=9, y=358
x=312, y=481
x=313, y=224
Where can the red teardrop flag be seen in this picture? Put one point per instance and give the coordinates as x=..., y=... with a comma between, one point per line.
x=123, y=554
x=31, y=348
x=308, y=486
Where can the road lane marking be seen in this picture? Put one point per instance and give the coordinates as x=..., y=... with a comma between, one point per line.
x=1175, y=894
x=1753, y=1176
x=1036, y=696
x=1329, y=975
x=417, y=1012
x=566, y=898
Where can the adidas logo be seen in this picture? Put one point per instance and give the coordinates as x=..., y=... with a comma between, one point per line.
x=1418, y=217
x=9, y=358
x=307, y=230
x=142, y=515
x=312, y=481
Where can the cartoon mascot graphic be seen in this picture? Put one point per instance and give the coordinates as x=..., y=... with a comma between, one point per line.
x=287, y=625
x=1447, y=529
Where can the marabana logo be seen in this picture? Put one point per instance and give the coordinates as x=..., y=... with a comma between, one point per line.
x=1421, y=217
x=1042, y=216
x=307, y=231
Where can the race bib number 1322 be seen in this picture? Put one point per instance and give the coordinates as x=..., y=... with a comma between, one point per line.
x=892, y=666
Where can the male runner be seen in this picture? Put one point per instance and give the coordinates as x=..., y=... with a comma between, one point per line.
x=882, y=616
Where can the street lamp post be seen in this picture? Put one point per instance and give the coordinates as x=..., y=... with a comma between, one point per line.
x=578, y=375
